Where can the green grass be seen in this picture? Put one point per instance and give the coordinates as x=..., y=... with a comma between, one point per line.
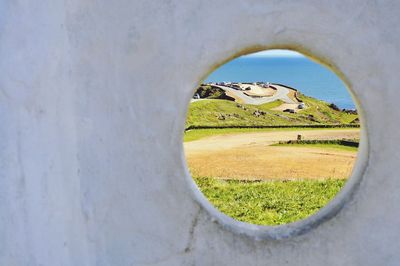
x=210, y=112
x=269, y=202
x=318, y=145
x=338, y=144
x=323, y=113
x=268, y=106
x=217, y=113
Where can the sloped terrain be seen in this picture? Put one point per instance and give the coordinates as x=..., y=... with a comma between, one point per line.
x=218, y=113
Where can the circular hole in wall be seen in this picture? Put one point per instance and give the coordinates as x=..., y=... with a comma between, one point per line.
x=271, y=137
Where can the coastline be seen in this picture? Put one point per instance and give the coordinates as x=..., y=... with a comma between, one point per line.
x=301, y=73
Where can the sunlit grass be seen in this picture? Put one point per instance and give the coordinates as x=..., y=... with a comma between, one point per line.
x=269, y=202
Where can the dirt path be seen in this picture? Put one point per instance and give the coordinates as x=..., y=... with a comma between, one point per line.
x=294, y=106
x=229, y=141
x=250, y=156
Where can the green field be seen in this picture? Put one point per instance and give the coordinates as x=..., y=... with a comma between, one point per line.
x=224, y=113
x=325, y=146
x=269, y=202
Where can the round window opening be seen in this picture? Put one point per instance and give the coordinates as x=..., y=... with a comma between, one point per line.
x=271, y=137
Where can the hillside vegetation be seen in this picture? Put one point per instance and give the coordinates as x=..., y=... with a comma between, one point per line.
x=218, y=113
x=210, y=92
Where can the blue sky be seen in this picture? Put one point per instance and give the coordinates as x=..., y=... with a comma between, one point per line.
x=275, y=53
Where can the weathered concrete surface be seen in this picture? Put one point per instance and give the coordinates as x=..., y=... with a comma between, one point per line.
x=93, y=96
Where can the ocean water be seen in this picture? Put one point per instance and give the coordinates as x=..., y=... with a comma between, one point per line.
x=308, y=77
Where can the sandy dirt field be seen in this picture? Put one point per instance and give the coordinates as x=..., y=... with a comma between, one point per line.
x=250, y=156
x=234, y=96
x=284, y=106
x=292, y=95
x=256, y=90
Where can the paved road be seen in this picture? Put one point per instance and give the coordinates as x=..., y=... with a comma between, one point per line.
x=280, y=94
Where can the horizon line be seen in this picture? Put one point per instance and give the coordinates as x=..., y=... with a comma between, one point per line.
x=275, y=53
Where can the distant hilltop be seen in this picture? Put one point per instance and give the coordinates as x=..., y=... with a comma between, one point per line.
x=255, y=93
x=241, y=85
x=260, y=104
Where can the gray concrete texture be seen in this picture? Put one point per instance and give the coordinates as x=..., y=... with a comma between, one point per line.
x=93, y=98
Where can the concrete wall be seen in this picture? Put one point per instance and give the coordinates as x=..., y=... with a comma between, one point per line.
x=93, y=96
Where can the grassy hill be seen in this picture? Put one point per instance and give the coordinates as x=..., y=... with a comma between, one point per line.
x=218, y=113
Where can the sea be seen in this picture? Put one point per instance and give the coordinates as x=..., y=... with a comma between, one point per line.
x=310, y=78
